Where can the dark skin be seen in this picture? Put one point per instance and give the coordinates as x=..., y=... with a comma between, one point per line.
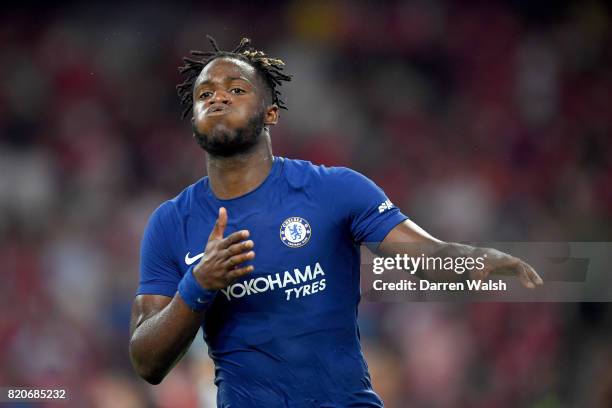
x=227, y=94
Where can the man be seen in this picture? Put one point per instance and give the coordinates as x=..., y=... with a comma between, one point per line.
x=276, y=286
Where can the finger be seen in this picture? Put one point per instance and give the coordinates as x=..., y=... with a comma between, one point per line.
x=238, y=259
x=219, y=228
x=238, y=272
x=510, y=268
x=233, y=238
x=533, y=275
x=484, y=273
x=239, y=247
x=477, y=274
x=523, y=276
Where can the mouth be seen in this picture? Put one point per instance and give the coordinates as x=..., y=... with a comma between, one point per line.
x=217, y=110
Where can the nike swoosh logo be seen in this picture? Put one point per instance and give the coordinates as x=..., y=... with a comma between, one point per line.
x=189, y=260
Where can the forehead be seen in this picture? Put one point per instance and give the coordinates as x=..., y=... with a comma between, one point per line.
x=221, y=68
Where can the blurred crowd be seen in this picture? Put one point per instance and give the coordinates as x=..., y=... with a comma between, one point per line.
x=482, y=121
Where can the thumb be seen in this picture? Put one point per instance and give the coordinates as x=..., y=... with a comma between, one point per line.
x=219, y=228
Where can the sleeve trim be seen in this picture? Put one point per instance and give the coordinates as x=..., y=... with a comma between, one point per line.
x=164, y=289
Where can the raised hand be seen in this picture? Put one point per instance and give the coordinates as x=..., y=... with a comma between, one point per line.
x=219, y=266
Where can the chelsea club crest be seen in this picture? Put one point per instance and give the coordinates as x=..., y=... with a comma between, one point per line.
x=295, y=232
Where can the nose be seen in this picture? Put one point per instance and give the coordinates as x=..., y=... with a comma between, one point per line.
x=220, y=96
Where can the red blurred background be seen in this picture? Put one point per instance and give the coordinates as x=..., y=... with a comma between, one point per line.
x=482, y=120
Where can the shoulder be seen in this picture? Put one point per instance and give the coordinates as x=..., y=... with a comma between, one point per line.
x=302, y=173
x=172, y=211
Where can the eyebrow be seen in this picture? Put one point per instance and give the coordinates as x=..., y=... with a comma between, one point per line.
x=208, y=81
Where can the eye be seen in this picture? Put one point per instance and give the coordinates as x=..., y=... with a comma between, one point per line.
x=237, y=91
x=205, y=94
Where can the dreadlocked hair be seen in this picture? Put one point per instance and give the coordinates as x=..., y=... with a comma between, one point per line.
x=269, y=68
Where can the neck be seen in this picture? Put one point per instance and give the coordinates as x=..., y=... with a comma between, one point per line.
x=234, y=176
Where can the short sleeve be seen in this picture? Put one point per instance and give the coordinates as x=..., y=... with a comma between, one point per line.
x=159, y=274
x=368, y=212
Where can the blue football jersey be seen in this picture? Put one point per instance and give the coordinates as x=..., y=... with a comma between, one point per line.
x=285, y=335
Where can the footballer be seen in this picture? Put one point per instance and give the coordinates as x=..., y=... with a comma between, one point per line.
x=263, y=253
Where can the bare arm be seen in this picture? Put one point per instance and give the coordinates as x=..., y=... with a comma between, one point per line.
x=162, y=328
x=407, y=237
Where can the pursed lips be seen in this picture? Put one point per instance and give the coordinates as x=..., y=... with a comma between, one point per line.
x=217, y=110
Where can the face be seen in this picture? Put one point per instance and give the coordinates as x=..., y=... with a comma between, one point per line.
x=229, y=108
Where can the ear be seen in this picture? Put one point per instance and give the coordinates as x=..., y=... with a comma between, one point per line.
x=271, y=115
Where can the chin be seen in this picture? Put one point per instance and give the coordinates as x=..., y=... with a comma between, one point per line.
x=221, y=133
x=224, y=141
x=227, y=144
